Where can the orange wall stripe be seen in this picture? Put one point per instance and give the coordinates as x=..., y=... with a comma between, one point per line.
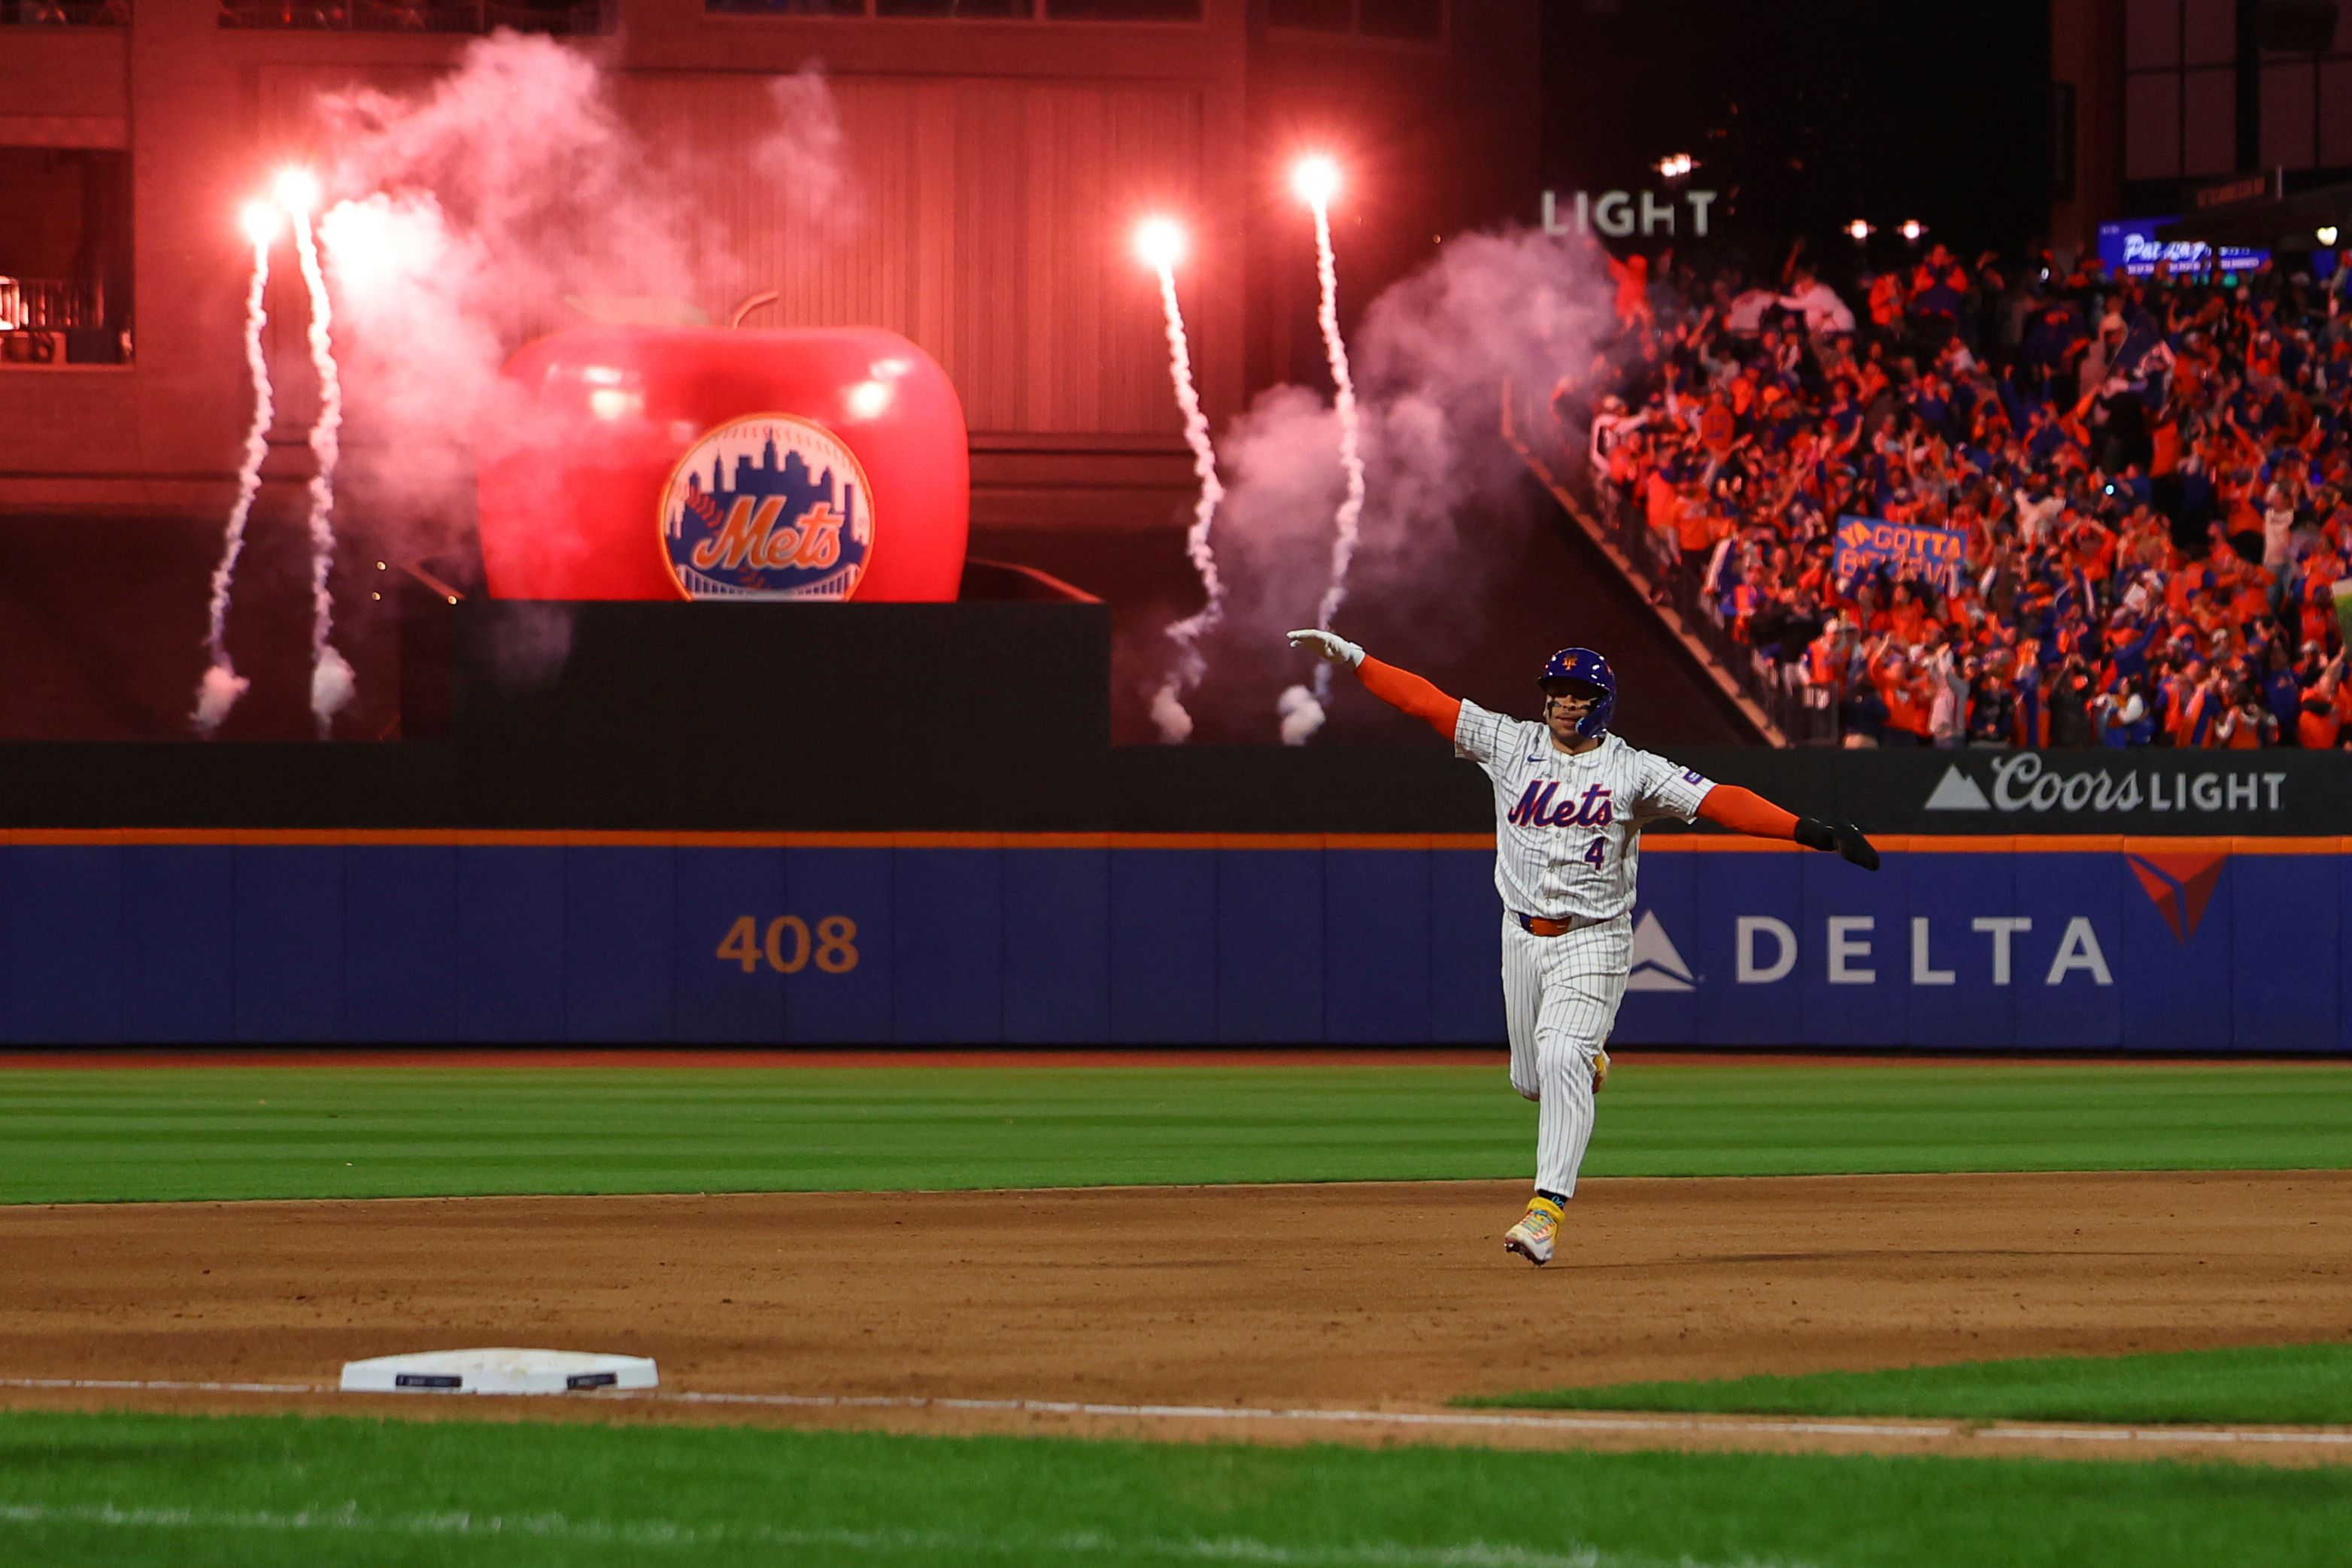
x=1663, y=843
x=2152, y=843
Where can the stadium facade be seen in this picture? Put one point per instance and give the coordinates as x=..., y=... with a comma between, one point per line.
x=1000, y=151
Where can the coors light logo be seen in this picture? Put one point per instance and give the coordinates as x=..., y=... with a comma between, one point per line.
x=2025, y=783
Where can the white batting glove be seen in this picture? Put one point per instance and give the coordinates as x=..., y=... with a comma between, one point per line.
x=1328, y=645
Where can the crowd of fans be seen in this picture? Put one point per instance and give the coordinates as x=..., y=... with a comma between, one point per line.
x=2151, y=479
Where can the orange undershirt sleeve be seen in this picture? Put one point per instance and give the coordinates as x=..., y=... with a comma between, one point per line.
x=1402, y=689
x=1744, y=811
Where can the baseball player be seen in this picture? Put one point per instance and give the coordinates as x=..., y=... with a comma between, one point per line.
x=1570, y=800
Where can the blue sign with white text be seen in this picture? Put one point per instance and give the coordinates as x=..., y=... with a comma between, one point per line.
x=1935, y=555
x=2130, y=247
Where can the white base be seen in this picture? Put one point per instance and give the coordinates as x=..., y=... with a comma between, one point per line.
x=498, y=1371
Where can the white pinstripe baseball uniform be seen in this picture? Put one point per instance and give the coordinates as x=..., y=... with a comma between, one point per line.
x=1567, y=847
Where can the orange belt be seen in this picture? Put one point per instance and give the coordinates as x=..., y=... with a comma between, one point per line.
x=1536, y=925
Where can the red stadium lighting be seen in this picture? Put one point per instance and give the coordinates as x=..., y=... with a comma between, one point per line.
x=296, y=191
x=260, y=221
x=1315, y=180
x=1160, y=243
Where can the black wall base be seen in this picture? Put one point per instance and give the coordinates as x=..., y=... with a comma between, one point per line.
x=990, y=717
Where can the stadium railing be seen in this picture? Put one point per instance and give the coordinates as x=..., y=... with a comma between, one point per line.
x=1791, y=716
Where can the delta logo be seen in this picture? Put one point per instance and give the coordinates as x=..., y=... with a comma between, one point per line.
x=1855, y=950
x=767, y=507
x=2179, y=885
x=1655, y=965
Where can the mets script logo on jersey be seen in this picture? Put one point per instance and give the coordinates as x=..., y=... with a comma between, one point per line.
x=768, y=506
x=1535, y=809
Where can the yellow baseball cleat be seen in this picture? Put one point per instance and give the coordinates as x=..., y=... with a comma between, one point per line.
x=1532, y=1237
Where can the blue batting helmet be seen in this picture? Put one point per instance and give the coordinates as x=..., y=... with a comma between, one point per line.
x=1584, y=664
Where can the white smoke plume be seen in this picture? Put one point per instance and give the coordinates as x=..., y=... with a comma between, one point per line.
x=1445, y=495
x=804, y=157
x=466, y=217
x=331, y=684
x=530, y=644
x=218, y=693
x=1301, y=713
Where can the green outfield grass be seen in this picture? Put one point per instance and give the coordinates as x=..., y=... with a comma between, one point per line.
x=266, y=1492
x=2294, y=1384
x=268, y=1132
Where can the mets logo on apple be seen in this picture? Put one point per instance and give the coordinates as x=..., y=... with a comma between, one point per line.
x=769, y=505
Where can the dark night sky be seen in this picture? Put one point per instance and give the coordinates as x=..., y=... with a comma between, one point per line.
x=1807, y=115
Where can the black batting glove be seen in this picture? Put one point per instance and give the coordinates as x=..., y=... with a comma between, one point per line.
x=1843, y=837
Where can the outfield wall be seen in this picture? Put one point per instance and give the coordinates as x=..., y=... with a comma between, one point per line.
x=2161, y=945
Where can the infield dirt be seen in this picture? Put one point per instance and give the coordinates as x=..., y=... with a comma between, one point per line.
x=1387, y=1297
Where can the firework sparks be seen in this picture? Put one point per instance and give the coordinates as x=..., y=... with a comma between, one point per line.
x=331, y=675
x=1317, y=180
x=1160, y=243
x=222, y=685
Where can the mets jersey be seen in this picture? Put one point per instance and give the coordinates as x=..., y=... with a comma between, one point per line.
x=1567, y=827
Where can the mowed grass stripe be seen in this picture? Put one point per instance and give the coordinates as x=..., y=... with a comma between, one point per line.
x=264, y=1491
x=2296, y=1385
x=268, y=1132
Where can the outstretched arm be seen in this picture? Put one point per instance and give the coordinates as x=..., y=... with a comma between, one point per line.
x=1397, y=688
x=1746, y=811
x=1404, y=689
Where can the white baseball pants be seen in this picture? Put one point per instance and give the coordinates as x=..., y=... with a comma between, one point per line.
x=1560, y=997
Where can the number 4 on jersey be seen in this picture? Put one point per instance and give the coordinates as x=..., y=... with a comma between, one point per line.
x=1594, y=853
